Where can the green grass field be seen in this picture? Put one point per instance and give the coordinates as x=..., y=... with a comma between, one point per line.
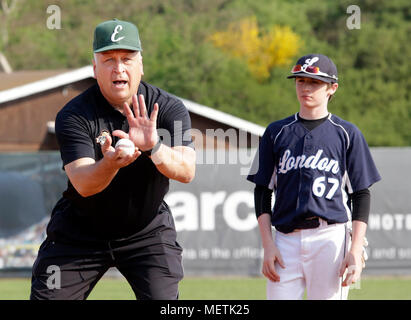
x=370, y=288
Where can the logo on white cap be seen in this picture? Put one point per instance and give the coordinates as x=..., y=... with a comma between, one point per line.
x=116, y=30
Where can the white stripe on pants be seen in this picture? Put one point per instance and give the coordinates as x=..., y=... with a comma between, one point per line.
x=312, y=259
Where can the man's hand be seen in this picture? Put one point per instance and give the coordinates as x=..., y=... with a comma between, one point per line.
x=114, y=156
x=90, y=177
x=142, y=129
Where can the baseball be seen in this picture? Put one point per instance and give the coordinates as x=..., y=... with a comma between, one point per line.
x=127, y=147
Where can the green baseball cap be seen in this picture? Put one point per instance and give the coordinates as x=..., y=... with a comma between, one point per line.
x=116, y=34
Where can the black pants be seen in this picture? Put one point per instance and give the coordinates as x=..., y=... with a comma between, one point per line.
x=152, y=265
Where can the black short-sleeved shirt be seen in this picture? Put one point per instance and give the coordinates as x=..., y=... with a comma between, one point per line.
x=136, y=193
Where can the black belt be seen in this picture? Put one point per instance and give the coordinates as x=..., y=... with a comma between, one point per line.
x=309, y=223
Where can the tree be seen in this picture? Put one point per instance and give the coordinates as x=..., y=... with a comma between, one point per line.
x=261, y=50
x=6, y=13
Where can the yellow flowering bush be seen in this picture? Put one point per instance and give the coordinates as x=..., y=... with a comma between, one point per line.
x=262, y=50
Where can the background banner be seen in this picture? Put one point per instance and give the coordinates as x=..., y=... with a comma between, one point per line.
x=214, y=214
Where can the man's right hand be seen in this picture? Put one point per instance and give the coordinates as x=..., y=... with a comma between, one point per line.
x=90, y=177
x=114, y=157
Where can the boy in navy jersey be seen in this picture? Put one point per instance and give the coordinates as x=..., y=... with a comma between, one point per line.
x=320, y=169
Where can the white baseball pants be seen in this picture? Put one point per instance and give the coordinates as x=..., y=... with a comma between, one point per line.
x=312, y=259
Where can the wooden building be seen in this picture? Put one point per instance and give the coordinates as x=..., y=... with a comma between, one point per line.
x=29, y=102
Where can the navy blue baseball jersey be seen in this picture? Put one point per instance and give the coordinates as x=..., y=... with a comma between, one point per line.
x=312, y=172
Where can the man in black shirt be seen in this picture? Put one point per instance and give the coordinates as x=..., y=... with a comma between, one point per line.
x=112, y=213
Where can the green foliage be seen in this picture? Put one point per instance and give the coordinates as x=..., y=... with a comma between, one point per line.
x=373, y=61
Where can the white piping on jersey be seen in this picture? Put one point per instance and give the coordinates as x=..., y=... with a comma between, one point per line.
x=338, y=125
x=345, y=182
x=286, y=125
x=273, y=180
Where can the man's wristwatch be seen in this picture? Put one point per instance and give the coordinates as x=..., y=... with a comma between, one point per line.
x=153, y=149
